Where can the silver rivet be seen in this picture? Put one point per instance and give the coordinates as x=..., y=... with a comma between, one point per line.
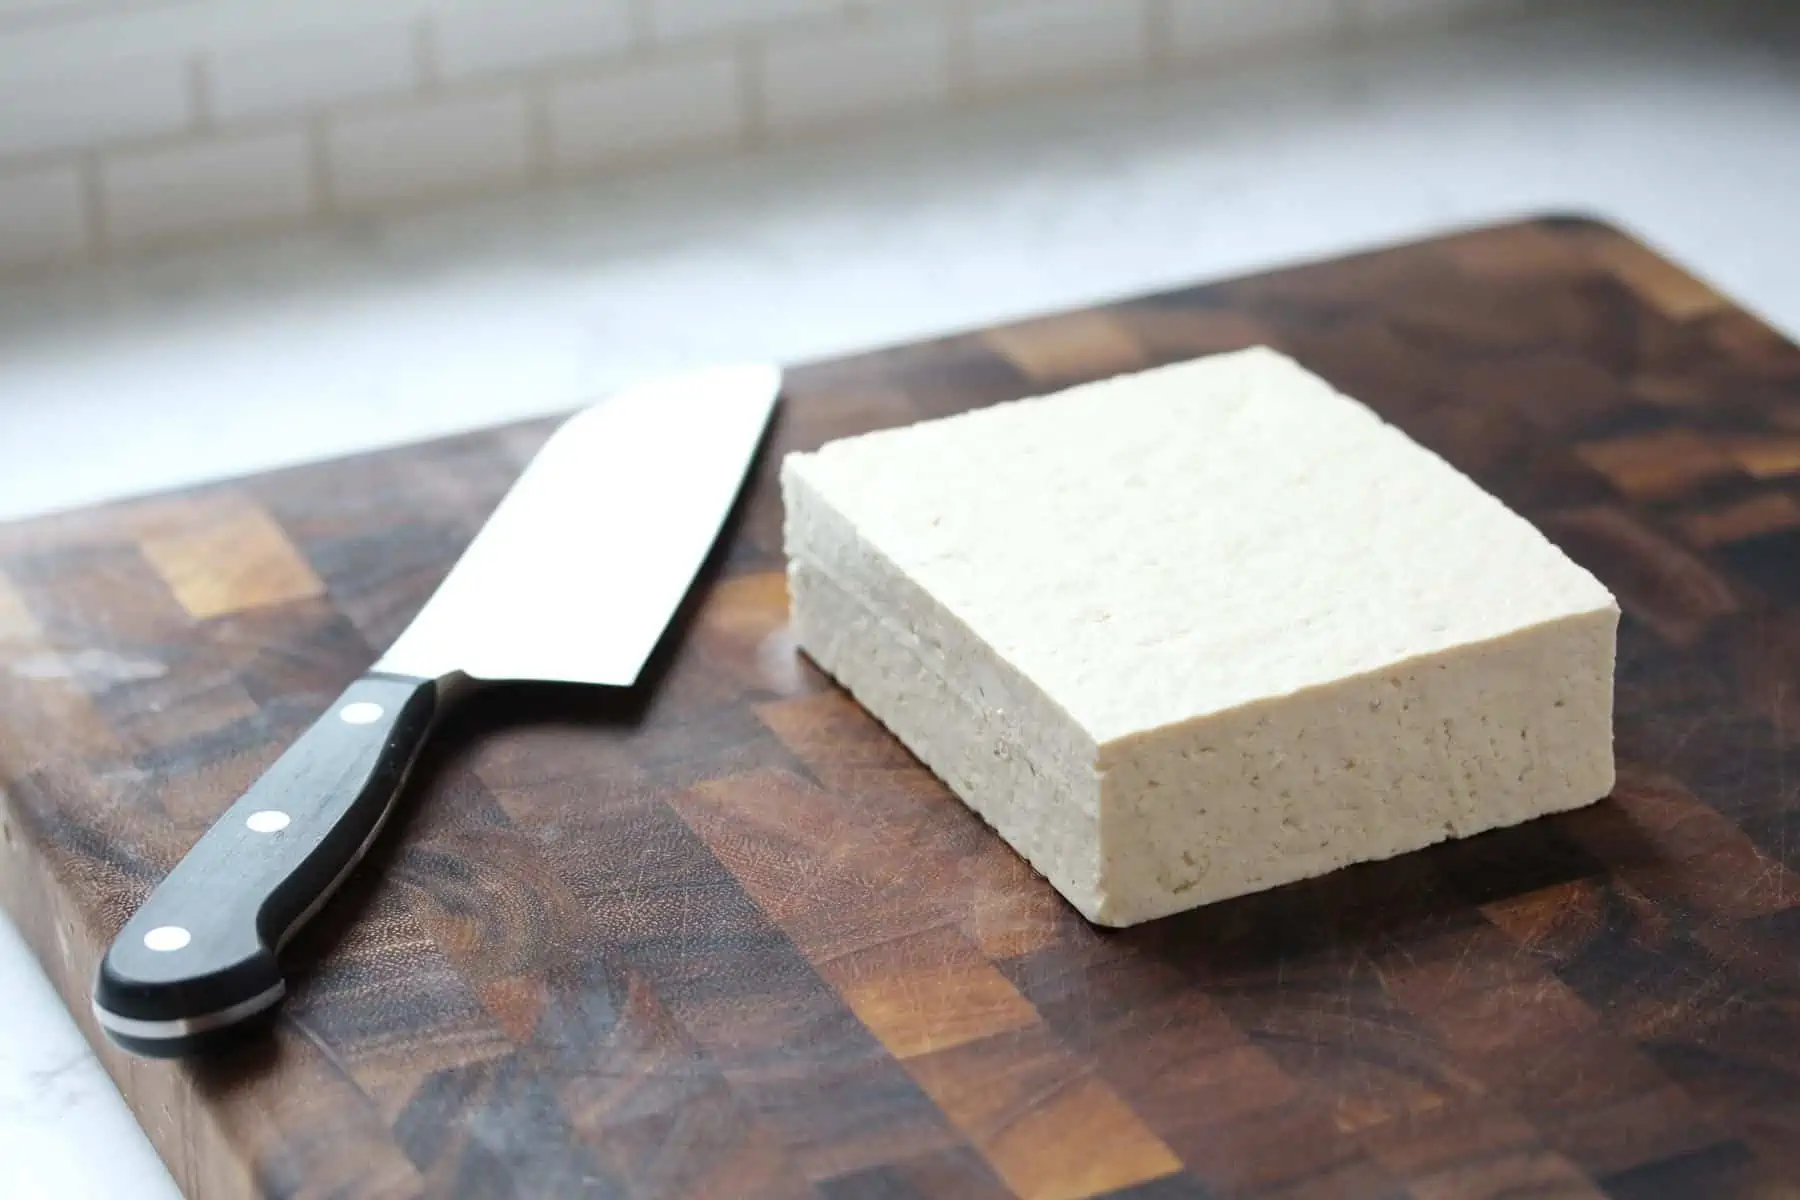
x=361, y=713
x=269, y=820
x=167, y=937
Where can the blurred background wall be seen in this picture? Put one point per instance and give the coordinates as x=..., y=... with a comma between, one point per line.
x=133, y=123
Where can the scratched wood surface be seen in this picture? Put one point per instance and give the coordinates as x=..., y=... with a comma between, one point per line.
x=728, y=939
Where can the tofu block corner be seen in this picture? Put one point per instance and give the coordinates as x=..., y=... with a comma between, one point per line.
x=1203, y=630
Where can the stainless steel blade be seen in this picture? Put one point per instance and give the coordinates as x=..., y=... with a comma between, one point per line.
x=579, y=569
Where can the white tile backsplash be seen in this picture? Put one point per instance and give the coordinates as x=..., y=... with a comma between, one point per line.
x=425, y=151
x=311, y=70
x=1375, y=14
x=418, y=100
x=42, y=216
x=12, y=9
x=478, y=38
x=63, y=108
x=892, y=64
x=1200, y=28
x=186, y=190
x=1022, y=43
x=672, y=20
x=643, y=112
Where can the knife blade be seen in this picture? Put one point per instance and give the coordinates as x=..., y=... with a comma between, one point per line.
x=572, y=579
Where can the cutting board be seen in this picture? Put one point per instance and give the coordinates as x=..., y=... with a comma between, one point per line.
x=724, y=937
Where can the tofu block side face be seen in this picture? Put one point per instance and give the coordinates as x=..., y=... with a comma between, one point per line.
x=1203, y=630
x=822, y=541
x=1052, y=822
x=1471, y=739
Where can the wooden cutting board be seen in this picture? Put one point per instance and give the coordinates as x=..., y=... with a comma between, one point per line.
x=736, y=942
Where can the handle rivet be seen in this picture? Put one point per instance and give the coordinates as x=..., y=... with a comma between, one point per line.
x=269, y=820
x=167, y=937
x=361, y=713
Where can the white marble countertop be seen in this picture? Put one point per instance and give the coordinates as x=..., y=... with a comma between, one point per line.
x=182, y=369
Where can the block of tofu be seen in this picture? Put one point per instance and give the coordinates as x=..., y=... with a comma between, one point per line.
x=1207, y=629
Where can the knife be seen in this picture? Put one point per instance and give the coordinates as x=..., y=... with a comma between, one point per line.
x=573, y=579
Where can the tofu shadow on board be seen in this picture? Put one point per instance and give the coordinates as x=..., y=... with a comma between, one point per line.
x=482, y=712
x=1358, y=912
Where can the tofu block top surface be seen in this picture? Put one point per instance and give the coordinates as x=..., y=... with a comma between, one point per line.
x=1186, y=540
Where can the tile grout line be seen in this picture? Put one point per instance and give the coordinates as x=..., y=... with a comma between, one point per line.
x=92, y=204
x=752, y=97
x=199, y=86
x=1159, y=25
x=961, y=52
x=425, y=57
x=540, y=149
x=641, y=23
x=319, y=173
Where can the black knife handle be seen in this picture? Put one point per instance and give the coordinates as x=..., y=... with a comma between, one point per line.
x=199, y=956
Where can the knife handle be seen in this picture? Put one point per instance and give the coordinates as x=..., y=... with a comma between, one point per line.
x=199, y=956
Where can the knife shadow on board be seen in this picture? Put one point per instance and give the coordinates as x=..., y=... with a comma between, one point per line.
x=483, y=713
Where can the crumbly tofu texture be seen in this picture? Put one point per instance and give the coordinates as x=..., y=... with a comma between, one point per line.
x=1202, y=630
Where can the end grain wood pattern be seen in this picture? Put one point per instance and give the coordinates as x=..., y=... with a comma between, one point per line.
x=731, y=940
